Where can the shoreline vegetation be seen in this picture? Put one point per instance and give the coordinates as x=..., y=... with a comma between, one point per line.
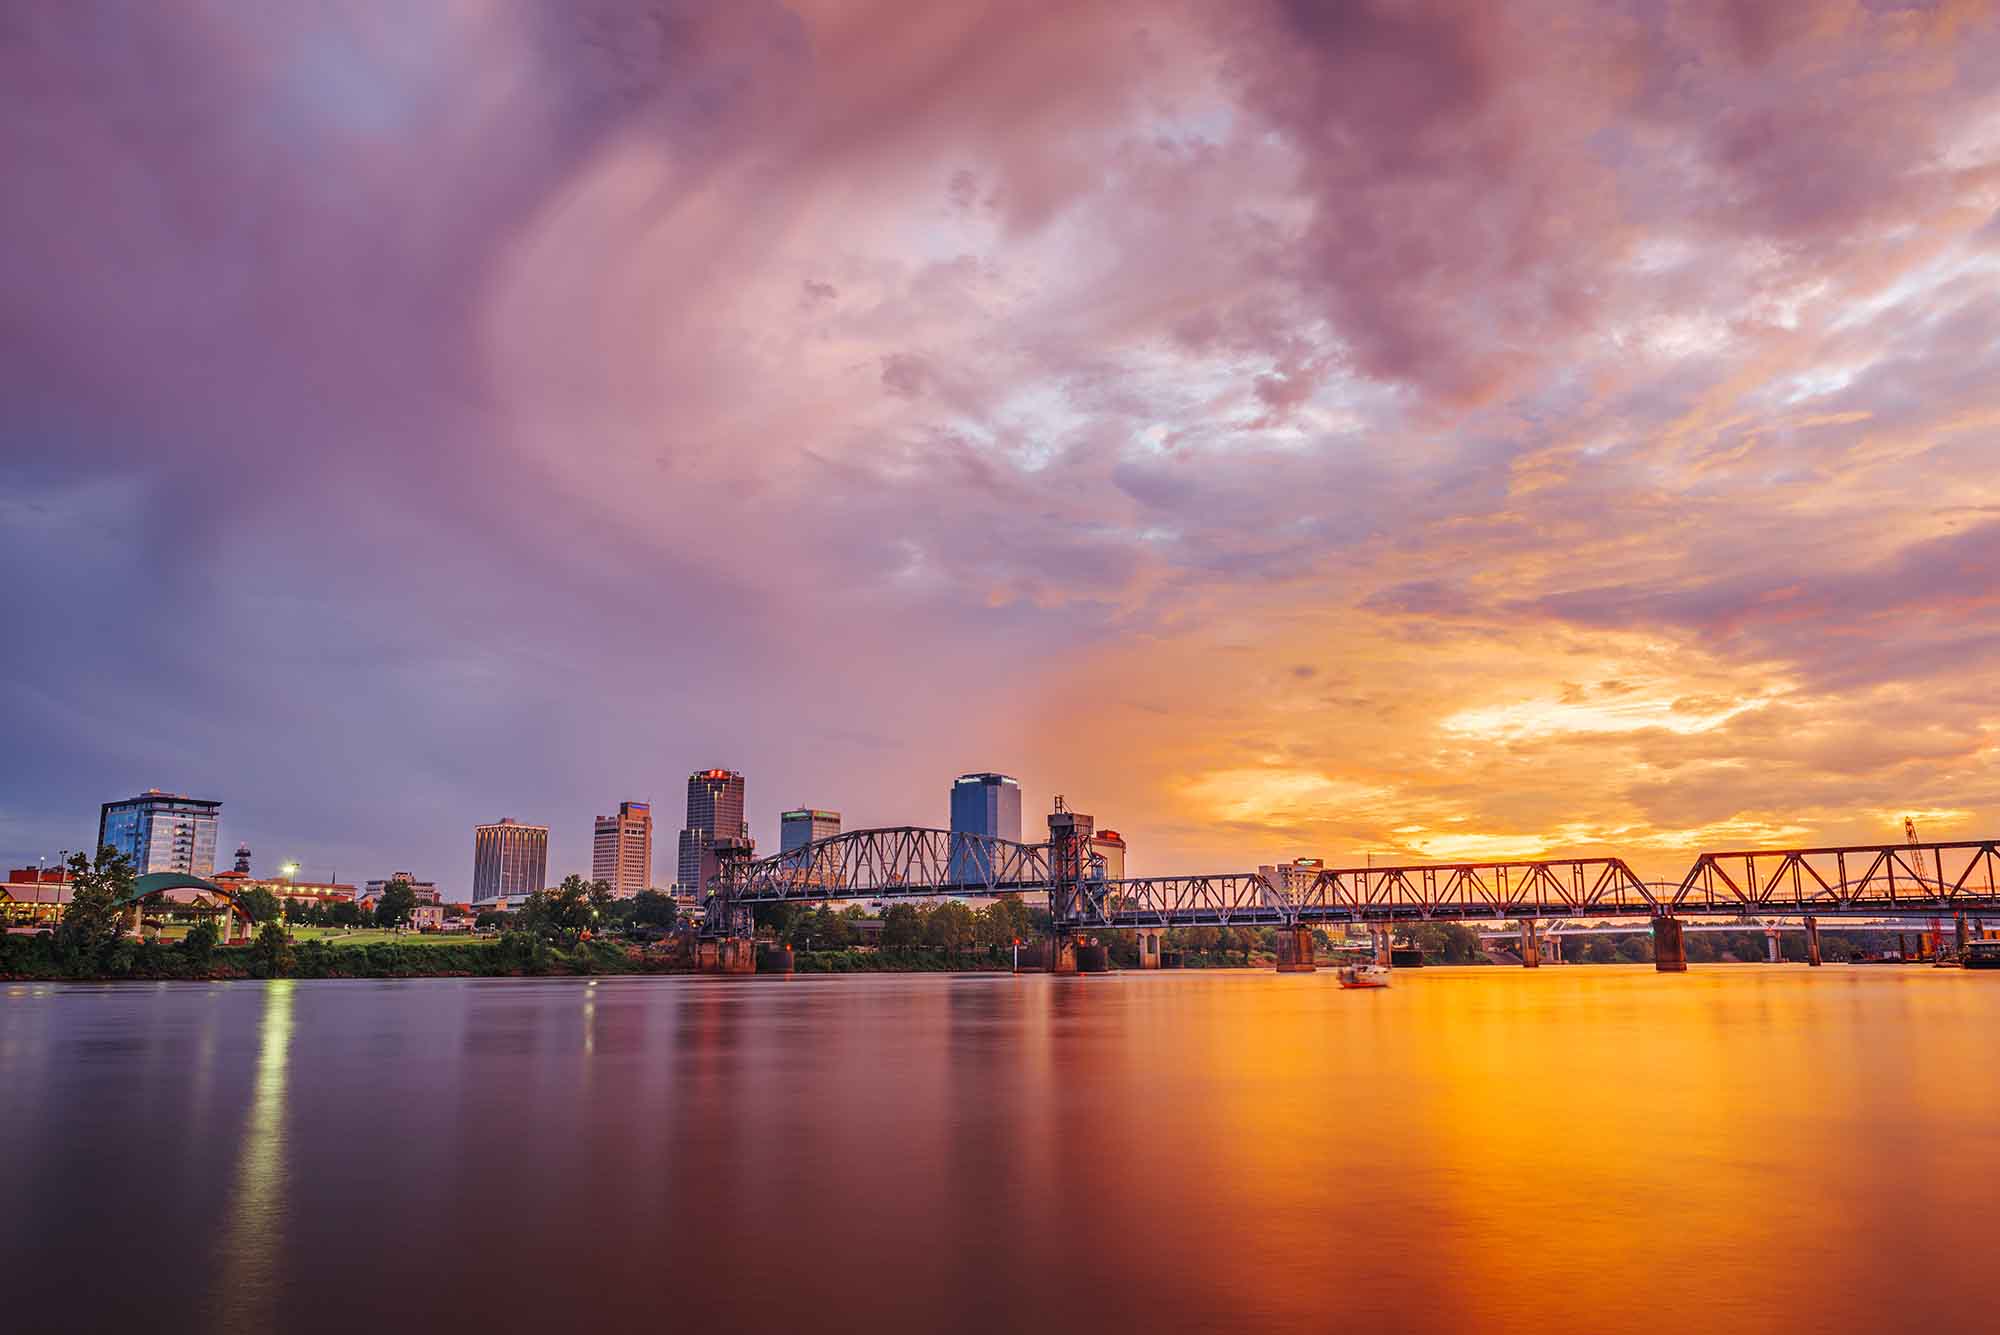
x=578, y=929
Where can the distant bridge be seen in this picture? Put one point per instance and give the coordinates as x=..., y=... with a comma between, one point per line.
x=1851, y=881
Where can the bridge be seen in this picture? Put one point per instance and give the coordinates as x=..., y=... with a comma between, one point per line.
x=1935, y=880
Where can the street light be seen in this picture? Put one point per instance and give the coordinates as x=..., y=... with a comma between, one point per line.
x=289, y=870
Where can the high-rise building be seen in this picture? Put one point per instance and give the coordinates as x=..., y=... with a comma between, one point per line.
x=988, y=804
x=621, y=853
x=714, y=811
x=798, y=828
x=161, y=832
x=508, y=858
x=1109, y=845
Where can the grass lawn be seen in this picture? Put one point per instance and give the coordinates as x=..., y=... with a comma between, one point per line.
x=369, y=936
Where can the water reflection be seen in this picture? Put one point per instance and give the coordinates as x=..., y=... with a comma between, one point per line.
x=1732, y=1150
x=252, y=1249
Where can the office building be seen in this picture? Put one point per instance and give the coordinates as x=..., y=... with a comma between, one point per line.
x=621, y=851
x=1109, y=847
x=508, y=858
x=985, y=804
x=160, y=831
x=798, y=828
x=714, y=812
x=425, y=891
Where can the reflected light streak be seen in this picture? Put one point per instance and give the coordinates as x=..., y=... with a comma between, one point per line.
x=252, y=1251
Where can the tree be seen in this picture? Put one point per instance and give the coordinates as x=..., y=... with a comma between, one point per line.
x=397, y=905
x=566, y=912
x=199, y=944
x=902, y=927
x=344, y=913
x=260, y=904
x=489, y=919
x=92, y=921
x=654, y=908
x=950, y=926
x=1005, y=921
x=829, y=930
x=271, y=953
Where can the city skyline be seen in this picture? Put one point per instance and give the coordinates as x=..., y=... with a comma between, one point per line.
x=1587, y=445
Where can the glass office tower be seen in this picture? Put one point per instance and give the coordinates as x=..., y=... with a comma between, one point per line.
x=988, y=804
x=162, y=832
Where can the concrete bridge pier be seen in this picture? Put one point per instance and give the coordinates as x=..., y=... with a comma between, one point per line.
x=1295, y=950
x=1958, y=932
x=1669, y=947
x=1812, y=941
x=1149, y=939
x=1771, y=946
x=1531, y=945
x=1062, y=953
x=725, y=955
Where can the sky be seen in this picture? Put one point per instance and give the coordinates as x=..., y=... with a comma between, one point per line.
x=1418, y=431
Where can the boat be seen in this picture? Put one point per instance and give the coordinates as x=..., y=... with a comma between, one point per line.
x=1980, y=955
x=1364, y=975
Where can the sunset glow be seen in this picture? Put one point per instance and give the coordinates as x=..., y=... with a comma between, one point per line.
x=1419, y=431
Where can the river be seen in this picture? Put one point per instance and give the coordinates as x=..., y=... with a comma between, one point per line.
x=1740, y=1148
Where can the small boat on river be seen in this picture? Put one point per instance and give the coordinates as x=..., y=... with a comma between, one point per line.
x=1364, y=975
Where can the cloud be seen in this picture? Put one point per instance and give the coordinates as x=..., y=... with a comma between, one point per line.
x=1282, y=428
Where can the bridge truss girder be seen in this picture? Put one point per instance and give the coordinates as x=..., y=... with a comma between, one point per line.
x=1936, y=878
x=909, y=862
x=899, y=862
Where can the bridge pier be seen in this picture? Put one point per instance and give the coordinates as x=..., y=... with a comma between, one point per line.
x=725, y=955
x=1295, y=950
x=1958, y=925
x=1062, y=953
x=1531, y=945
x=1149, y=939
x=1771, y=954
x=1669, y=947
x=1812, y=941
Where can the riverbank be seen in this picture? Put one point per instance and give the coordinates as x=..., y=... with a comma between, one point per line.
x=512, y=955
x=37, y=958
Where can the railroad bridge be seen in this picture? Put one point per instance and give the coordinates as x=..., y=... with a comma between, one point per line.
x=1909, y=880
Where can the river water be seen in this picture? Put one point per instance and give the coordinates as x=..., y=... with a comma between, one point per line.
x=1740, y=1148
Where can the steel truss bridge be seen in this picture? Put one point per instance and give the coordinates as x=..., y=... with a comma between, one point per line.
x=1867, y=880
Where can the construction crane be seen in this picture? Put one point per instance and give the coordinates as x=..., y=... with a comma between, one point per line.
x=1917, y=866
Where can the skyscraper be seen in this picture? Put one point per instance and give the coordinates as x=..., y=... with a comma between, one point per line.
x=714, y=811
x=988, y=804
x=508, y=858
x=798, y=828
x=161, y=832
x=622, y=850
